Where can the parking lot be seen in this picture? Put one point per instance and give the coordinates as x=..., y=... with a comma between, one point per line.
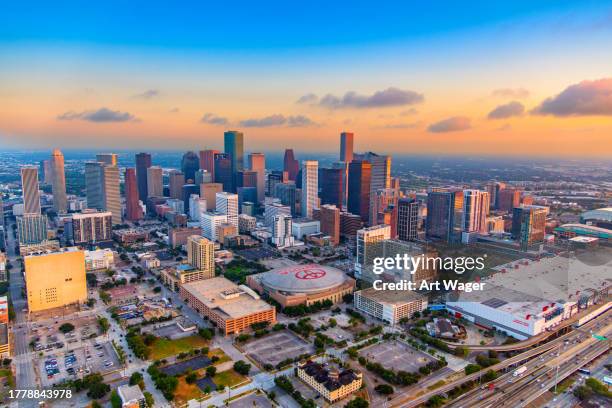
x=252, y=400
x=397, y=356
x=277, y=347
x=66, y=364
x=45, y=336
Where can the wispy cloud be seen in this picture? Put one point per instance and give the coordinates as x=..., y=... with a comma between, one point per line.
x=308, y=99
x=148, y=94
x=102, y=115
x=582, y=99
x=278, y=120
x=454, y=124
x=213, y=119
x=507, y=110
x=388, y=97
x=516, y=93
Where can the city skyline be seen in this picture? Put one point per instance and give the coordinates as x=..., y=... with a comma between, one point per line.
x=529, y=81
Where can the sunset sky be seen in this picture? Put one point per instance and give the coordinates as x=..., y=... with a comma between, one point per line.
x=522, y=77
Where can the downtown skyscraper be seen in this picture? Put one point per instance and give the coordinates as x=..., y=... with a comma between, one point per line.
x=359, y=187
x=155, y=182
x=290, y=164
x=346, y=147
x=233, y=142
x=310, y=187
x=29, y=187
x=257, y=163
x=407, y=218
x=133, y=211
x=190, y=163
x=58, y=182
x=207, y=161
x=143, y=162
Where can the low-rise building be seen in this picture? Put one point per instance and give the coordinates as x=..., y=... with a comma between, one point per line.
x=99, y=259
x=131, y=396
x=3, y=270
x=334, y=384
x=130, y=236
x=230, y=307
x=178, y=236
x=174, y=277
x=304, y=226
x=390, y=306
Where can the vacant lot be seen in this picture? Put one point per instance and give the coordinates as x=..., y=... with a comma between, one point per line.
x=277, y=347
x=163, y=348
x=397, y=356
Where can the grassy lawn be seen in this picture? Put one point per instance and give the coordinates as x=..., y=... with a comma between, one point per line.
x=185, y=392
x=6, y=373
x=163, y=347
x=219, y=353
x=228, y=378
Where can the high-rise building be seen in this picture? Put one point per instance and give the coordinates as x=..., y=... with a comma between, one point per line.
x=332, y=188
x=46, y=171
x=290, y=165
x=275, y=177
x=273, y=209
x=383, y=208
x=94, y=185
x=380, y=174
x=529, y=225
x=257, y=163
x=370, y=246
x=203, y=176
x=31, y=229
x=246, y=194
x=133, y=210
x=209, y=223
x=310, y=187
x=246, y=178
x=201, y=255
x=155, y=183
x=359, y=188
x=90, y=227
x=287, y=194
x=407, y=219
x=189, y=165
x=227, y=203
x=58, y=182
x=55, y=279
x=176, y=181
x=233, y=142
x=208, y=191
x=343, y=167
x=143, y=162
x=107, y=158
x=346, y=147
x=112, y=192
x=223, y=171
x=207, y=161
x=197, y=206
x=187, y=191
x=281, y=231
x=29, y=188
x=350, y=224
x=475, y=210
x=441, y=214
x=508, y=199
x=329, y=216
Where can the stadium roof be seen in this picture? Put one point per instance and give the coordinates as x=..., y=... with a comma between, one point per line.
x=602, y=214
x=303, y=278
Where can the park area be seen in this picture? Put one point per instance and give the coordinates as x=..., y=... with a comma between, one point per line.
x=164, y=348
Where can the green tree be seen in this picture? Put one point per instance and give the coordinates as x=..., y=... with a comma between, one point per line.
x=66, y=328
x=211, y=371
x=115, y=400
x=384, y=389
x=357, y=403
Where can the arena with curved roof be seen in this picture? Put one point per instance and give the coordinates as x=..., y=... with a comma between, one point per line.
x=303, y=284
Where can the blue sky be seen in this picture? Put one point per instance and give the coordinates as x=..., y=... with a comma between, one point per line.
x=157, y=72
x=265, y=25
